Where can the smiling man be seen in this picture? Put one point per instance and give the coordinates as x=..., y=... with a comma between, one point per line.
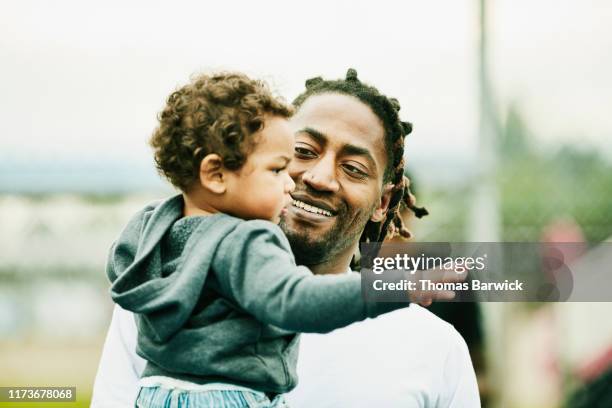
x=348, y=171
x=338, y=167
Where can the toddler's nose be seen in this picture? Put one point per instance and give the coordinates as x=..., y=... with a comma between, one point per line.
x=289, y=184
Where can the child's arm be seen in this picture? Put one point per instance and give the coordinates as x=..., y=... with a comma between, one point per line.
x=255, y=268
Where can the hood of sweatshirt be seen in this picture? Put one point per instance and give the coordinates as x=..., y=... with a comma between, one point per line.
x=135, y=266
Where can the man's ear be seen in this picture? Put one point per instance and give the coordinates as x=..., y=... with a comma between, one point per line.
x=381, y=211
x=212, y=174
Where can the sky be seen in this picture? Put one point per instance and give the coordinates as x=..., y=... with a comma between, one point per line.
x=84, y=81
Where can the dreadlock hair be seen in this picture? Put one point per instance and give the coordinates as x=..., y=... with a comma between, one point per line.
x=395, y=131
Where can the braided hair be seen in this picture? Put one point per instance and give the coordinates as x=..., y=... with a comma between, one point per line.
x=395, y=131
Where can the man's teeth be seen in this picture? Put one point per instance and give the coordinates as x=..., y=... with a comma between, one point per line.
x=311, y=208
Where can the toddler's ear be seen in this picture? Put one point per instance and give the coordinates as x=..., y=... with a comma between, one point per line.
x=212, y=174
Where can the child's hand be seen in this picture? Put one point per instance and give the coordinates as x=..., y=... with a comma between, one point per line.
x=425, y=297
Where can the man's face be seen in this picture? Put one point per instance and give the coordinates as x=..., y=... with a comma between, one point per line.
x=338, y=170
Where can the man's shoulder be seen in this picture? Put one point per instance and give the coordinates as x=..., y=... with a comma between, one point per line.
x=409, y=353
x=425, y=318
x=413, y=327
x=413, y=321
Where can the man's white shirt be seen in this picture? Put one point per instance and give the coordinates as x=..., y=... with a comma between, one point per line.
x=407, y=358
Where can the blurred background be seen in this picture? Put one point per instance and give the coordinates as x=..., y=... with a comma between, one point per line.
x=511, y=105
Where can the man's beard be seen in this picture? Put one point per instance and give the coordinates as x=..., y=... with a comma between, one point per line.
x=310, y=251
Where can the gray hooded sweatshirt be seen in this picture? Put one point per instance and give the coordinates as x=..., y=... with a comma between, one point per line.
x=220, y=299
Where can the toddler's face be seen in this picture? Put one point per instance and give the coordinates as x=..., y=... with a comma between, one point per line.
x=260, y=189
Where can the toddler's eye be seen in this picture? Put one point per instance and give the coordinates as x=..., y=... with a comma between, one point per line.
x=278, y=170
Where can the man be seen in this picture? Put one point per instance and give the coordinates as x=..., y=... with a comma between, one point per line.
x=348, y=171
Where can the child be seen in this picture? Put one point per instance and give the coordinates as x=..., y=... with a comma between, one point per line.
x=213, y=283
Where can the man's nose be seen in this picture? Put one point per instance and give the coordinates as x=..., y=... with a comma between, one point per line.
x=322, y=175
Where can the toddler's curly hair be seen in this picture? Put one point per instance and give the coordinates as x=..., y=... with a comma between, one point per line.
x=215, y=113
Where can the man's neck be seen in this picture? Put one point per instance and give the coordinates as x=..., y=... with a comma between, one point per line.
x=337, y=264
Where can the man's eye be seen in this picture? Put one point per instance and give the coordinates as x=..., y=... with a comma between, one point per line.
x=304, y=153
x=354, y=171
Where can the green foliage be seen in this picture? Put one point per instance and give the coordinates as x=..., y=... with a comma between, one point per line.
x=538, y=188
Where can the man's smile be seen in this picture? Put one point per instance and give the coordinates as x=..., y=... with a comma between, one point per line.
x=313, y=205
x=311, y=208
x=308, y=209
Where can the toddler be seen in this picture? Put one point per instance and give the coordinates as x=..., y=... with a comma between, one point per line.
x=211, y=278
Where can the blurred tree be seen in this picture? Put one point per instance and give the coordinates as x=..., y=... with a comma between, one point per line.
x=514, y=136
x=540, y=186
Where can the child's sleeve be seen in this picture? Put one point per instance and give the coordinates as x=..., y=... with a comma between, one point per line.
x=256, y=269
